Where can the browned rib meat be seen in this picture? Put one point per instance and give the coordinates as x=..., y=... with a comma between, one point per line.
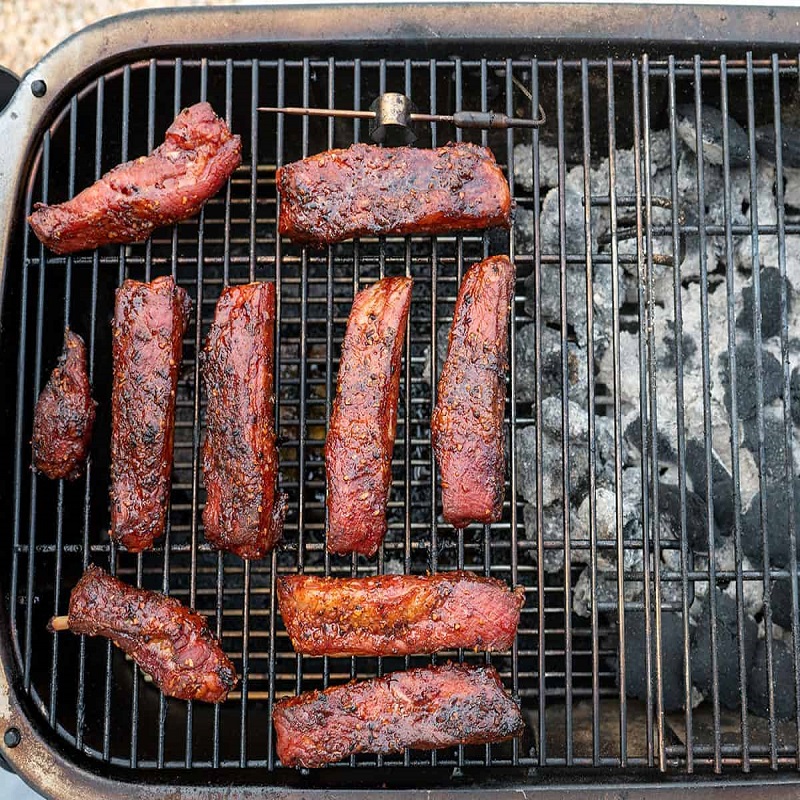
x=244, y=510
x=341, y=194
x=64, y=415
x=128, y=203
x=168, y=641
x=398, y=614
x=360, y=441
x=425, y=709
x=467, y=423
x=149, y=322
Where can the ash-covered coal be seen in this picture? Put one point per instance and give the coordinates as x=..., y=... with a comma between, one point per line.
x=703, y=299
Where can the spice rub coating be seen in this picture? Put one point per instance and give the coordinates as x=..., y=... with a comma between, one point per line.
x=398, y=614
x=425, y=709
x=360, y=440
x=149, y=322
x=467, y=422
x=130, y=201
x=369, y=190
x=244, y=510
x=64, y=415
x=169, y=641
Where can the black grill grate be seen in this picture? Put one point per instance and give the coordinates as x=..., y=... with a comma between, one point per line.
x=563, y=667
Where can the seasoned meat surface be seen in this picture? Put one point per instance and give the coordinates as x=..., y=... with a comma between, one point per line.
x=467, y=422
x=170, y=642
x=64, y=415
x=398, y=614
x=360, y=441
x=244, y=510
x=426, y=709
x=363, y=190
x=149, y=322
x=197, y=156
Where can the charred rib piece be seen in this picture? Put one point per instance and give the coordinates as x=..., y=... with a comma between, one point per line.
x=128, y=203
x=341, y=194
x=425, y=709
x=398, y=614
x=360, y=441
x=244, y=511
x=170, y=642
x=149, y=322
x=467, y=423
x=64, y=415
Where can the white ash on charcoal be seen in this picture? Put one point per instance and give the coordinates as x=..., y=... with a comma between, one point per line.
x=523, y=166
x=694, y=515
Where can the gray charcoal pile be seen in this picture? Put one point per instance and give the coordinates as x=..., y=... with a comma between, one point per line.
x=676, y=282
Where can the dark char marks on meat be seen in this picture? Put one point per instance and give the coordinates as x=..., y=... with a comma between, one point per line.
x=64, y=415
x=244, y=510
x=149, y=322
x=425, y=709
x=129, y=202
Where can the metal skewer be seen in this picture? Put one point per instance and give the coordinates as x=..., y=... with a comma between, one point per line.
x=393, y=111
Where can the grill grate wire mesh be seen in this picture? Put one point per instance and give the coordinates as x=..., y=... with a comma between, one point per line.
x=563, y=667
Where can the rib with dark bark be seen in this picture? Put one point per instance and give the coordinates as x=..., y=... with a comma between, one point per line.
x=360, y=441
x=467, y=423
x=398, y=614
x=244, y=510
x=424, y=709
x=170, y=642
x=128, y=203
x=64, y=415
x=369, y=190
x=149, y=322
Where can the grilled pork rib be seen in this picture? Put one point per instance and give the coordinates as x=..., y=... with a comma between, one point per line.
x=342, y=194
x=398, y=614
x=425, y=709
x=170, y=642
x=360, y=441
x=467, y=423
x=244, y=510
x=128, y=203
x=64, y=415
x=149, y=322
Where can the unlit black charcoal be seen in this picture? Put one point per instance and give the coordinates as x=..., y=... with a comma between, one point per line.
x=790, y=140
x=727, y=642
x=721, y=487
x=672, y=643
x=795, y=393
x=669, y=507
x=771, y=283
x=783, y=681
x=712, y=123
x=781, y=601
x=777, y=525
x=747, y=378
x=775, y=466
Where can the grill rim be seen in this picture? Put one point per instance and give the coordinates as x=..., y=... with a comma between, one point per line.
x=39, y=759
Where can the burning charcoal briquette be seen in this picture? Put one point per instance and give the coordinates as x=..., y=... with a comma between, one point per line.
x=777, y=524
x=790, y=141
x=633, y=438
x=782, y=681
x=712, y=124
x=746, y=379
x=770, y=282
x=781, y=601
x=672, y=644
x=727, y=642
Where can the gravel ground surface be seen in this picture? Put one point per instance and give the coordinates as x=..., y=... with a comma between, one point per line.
x=29, y=28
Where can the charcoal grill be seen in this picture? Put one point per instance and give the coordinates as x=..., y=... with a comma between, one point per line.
x=78, y=719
